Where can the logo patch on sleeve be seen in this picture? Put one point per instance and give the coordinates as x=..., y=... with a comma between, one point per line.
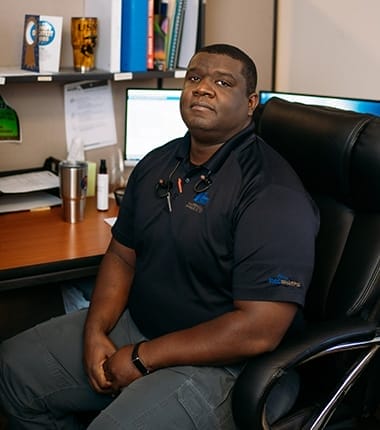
x=284, y=280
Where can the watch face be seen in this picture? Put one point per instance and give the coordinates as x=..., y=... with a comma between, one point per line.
x=137, y=362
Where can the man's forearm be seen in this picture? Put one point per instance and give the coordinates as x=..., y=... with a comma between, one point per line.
x=110, y=295
x=227, y=339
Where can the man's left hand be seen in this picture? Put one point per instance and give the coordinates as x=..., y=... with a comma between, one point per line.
x=119, y=369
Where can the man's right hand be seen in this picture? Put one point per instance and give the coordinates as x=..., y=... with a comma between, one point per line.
x=97, y=349
x=109, y=300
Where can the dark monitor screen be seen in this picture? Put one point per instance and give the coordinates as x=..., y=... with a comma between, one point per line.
x=352, y=104
x=152, y=118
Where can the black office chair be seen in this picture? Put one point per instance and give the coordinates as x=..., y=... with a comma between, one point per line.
x=337, y=156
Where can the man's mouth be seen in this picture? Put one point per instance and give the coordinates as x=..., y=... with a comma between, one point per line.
x=201, y=106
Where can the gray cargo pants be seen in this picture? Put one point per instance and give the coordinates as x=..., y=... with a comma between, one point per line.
x=43, y=385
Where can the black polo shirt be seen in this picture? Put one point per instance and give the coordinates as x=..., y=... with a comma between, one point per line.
x=239, y=227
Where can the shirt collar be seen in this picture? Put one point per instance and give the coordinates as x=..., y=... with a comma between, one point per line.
x=244, y=137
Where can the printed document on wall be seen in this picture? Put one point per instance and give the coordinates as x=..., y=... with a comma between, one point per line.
x=89, y=115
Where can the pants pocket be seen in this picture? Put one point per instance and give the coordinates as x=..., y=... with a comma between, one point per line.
x=206, y=397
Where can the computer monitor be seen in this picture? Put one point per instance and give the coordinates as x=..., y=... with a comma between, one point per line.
x=352, y=104
x=152, y=118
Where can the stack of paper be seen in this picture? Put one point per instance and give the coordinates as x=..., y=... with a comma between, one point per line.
x=26, y=191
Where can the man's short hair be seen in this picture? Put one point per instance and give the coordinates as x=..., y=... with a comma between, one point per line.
x=249, y=70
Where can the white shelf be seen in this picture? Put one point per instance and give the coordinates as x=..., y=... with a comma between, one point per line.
x=14, y=74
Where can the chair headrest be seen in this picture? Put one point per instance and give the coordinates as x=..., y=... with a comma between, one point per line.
x=332, y=150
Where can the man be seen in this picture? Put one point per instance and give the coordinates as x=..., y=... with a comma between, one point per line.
x=210, y=260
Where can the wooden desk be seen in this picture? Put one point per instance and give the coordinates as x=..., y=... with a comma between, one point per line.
x=39, y=247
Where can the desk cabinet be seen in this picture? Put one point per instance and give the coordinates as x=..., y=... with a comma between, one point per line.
x=23, y=308
x=38, y=252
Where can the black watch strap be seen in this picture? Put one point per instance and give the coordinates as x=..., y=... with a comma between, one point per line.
x=136, y=360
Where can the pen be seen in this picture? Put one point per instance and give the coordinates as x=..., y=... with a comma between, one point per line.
x=40, y=209
x=179, y=185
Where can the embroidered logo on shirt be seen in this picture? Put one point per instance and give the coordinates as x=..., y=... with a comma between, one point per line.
x=194, y=207
x=198, y=203
x=202, y=198
x=283, y=280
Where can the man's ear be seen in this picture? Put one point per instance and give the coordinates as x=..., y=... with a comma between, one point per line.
x=253, y=101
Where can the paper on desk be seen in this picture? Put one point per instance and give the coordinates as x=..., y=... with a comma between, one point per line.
x=27, y=182
x=27, y=201
x=110, y=221
x=89, y=115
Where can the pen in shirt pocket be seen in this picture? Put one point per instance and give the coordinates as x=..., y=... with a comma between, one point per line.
x=179, y=185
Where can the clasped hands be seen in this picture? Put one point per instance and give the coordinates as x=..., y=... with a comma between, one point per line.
x=109, y=369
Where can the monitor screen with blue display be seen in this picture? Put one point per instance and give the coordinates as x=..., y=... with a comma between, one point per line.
x=152, y=118
x=356, y=105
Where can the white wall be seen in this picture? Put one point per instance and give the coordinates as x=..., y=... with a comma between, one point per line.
x=247, y=24
x=329, y=47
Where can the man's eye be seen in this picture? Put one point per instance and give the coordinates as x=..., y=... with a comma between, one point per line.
x=194, y=78
x=223, y=83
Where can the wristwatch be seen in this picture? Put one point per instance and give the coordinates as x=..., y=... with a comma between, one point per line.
x=136, y=360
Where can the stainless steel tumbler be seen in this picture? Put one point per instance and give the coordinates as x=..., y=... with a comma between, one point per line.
x=73, y=189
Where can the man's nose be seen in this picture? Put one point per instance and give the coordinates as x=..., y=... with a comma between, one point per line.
x=204, y=87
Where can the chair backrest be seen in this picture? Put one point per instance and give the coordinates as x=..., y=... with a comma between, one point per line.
x=336, y=153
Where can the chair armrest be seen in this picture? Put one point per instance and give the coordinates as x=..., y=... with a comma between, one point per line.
x=262, y=372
